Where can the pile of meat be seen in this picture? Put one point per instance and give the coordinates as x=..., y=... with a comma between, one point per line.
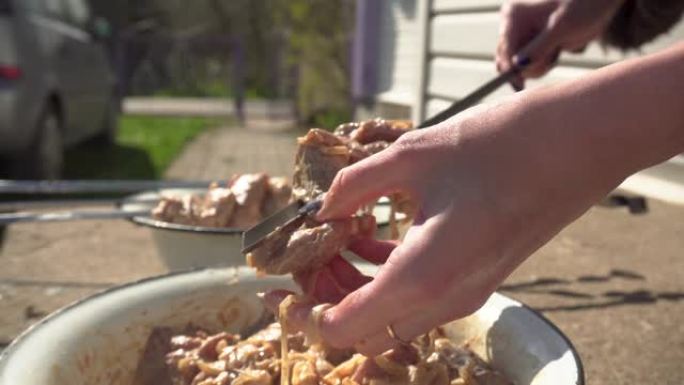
x=273, y=356
x=247, y=200
x=320, y=155
x=196, y=358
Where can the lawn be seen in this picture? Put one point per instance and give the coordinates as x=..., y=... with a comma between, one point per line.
x=144, y=148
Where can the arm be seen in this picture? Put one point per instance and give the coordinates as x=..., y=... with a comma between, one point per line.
x=494, y=184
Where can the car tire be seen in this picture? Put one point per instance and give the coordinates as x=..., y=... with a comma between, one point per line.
x=44, y=159
x=110, y=123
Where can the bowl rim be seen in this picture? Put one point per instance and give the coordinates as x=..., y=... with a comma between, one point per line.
x=146, y=221
x=7, y=352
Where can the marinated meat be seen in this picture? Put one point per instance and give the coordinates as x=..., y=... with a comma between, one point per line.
x=250, y=191
x=319, y=157
x=230, y=359
x=278, y=196
x=345, y=129
x=376, y=147
x=170, y=209
x=309, y=247
x=380, y=130
x=322, y=154
x=248, y=199
x=217, y=208
x=181, y=210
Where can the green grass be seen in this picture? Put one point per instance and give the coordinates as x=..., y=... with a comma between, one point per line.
x=144, y=148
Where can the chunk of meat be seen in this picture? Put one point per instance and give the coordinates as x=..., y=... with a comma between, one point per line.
x=345, y=129
x=375, y=147
x=277, y=197
x=170, y=209
x=200, y=358
x=182, y=210
x=309, y=247
x=250, y=191
x=380, y=130
x=217, y=208
x=320, y=156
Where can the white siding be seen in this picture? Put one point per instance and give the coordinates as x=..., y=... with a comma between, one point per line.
x=430, y=61
x=449, y=51
x=452, y=78
x=400, y=54
x=482, y=31
x=463, y=5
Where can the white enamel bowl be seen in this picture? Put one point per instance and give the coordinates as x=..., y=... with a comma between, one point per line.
x=184, y=247
x=99, y=340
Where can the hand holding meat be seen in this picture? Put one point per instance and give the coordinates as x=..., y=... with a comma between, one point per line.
x=493, y=185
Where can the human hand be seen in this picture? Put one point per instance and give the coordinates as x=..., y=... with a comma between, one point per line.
x=540, y=30
x=492, y=187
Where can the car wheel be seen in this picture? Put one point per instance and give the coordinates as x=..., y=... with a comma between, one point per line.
x=44, y=159
x=110, y=123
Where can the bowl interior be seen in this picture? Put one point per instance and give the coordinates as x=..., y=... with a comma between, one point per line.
x=101, y=339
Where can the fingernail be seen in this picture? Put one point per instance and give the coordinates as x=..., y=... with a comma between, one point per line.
x=521, y=61
x=322, y=214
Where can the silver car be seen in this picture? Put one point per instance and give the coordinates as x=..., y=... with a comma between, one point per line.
x=56, y=85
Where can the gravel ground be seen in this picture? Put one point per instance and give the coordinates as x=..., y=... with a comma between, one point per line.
x=613, y=282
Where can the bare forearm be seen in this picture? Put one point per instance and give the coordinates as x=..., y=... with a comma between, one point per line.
x=624, y=117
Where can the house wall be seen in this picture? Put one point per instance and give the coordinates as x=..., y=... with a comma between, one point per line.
x=399, y=58
x=433, y=52
x=462, y=42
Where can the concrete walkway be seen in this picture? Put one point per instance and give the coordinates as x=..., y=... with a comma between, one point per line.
x=613, y=282
x=209, y=107
x=260, y=147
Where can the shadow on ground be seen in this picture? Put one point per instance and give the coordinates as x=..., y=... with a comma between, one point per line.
x=549, y=286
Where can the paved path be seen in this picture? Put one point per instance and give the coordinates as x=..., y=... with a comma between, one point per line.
x=231, y=150
x=162, y=106
x=613, y=282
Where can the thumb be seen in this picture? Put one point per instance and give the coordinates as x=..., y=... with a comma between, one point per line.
x=364, y=182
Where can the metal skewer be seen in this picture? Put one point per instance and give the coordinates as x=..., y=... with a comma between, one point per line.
x=94, y=186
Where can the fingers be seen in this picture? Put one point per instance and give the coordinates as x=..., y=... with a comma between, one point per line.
x=543, y=52
x=510, y=40
x=405, y=330
x=362, y=183
x=532, y=31
x=401, y=288
x=372, y=250
x=456, y=302
x=348, y=276
x=297, y=314
x=405, y=287
x=333, y=282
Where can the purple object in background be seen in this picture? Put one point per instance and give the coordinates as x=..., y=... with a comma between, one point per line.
x=238, y=59
x=365, y=49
